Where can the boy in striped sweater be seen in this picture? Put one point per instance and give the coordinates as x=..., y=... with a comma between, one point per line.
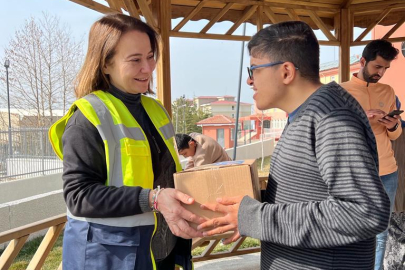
x=324, y=203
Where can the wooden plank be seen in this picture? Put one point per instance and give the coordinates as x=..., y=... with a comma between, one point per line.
x=270, y=14
x=365, y=42
x=131, y=8
x=147, y=13
x=344, y=48
x=259, y=21
x=31, y=228
x=12, y=250
x=381, y=5
x=318, y=21
x=233, y=37
x=45, y=247
x=246, y=15
x=114, y=5
x=378, y=6
x=323, y=5
x=190, y=15
x=94, y=6
x=226, y=254
x=346, y=4
x=210, y=248
x=237, y=244
x=291, y=13
x=217, y=17
x=373, y=24
x=395, y=28
x=162, y=11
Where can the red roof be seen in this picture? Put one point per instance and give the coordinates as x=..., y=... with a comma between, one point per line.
x=226, y=102
x=217, y=119
x=256, y=117
x=214, y=96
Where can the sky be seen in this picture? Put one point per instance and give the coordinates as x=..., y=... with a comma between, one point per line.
x=198, y=67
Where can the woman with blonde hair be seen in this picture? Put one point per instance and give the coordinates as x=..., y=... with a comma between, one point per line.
x=119, y=158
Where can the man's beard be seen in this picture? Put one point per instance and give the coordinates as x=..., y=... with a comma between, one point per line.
x=370, y=78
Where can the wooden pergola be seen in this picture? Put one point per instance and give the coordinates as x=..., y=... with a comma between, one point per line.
x=335, y=18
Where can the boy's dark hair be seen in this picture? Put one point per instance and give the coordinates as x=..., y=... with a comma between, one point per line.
x=182, y=141
x=380, y=47
x=292, y=41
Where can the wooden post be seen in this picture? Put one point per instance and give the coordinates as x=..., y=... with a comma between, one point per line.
x=162, y=12
x=344, y=47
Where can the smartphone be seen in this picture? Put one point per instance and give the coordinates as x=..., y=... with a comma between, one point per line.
x=394, y=112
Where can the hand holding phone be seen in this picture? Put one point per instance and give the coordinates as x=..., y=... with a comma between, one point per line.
x=393, y=113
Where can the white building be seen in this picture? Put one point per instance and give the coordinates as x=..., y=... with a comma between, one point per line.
x=222, y=105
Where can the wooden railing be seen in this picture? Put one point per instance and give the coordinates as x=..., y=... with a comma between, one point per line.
x=18, y=236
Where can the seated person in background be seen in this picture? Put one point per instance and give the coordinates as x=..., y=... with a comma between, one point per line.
x=200, y=149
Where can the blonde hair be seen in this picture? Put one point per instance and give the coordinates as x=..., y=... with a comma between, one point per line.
x=103, y=38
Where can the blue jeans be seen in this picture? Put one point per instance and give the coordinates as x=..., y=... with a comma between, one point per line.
x=390, y=182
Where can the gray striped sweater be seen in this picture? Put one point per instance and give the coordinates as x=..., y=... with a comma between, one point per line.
x=324, y=201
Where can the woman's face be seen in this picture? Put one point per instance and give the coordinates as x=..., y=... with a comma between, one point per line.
x=130, y=70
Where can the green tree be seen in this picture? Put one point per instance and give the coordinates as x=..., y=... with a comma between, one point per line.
x=186, y=115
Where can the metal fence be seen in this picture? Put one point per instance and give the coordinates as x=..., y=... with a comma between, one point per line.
x=31, y=154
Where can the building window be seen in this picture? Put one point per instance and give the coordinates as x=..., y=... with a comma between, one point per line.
x=233, y=115
x=233, y=108
x=266, y=124
x=332, y=78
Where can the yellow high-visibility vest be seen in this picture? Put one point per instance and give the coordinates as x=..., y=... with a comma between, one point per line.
x=128, y=156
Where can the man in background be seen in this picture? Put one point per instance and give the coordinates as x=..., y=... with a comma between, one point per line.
x=200, y=149
x=378, y=100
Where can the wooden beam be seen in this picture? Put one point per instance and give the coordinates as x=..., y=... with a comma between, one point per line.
x=114, y=5
x=378, y=6
x=259, y=21
x=147, y=13
x=344, y=48
x=131, y=8
x=318, y=21
x=395, y=28
x=233, y=37
x=31, y=228
x=95, y=6
x=217, y=17
x=373, y=24
x=190, y=15
x=291, y=13
x=270, y=14
x=12, y=250
x=365, y=42
x=45, y=247
x=246, y=15
x=162, y=12
x=346, y=4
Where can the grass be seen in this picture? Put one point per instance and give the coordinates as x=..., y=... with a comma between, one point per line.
x=55, y=256
x=27, y=252
x=249, y=242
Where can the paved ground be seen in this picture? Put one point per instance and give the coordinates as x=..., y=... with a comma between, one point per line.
x=244, y=262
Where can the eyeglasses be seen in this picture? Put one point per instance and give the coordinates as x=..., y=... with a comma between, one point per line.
x=251, y=68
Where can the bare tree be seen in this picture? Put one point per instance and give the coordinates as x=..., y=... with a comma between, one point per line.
x=44, y=61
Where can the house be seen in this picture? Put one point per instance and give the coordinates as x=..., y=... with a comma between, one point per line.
x=220, y=128
x=222, y=105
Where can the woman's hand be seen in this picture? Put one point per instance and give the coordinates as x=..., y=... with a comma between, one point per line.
x=169, y=204
x=229, y=222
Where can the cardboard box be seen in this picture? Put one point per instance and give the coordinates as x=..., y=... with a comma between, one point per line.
x=208, y=182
